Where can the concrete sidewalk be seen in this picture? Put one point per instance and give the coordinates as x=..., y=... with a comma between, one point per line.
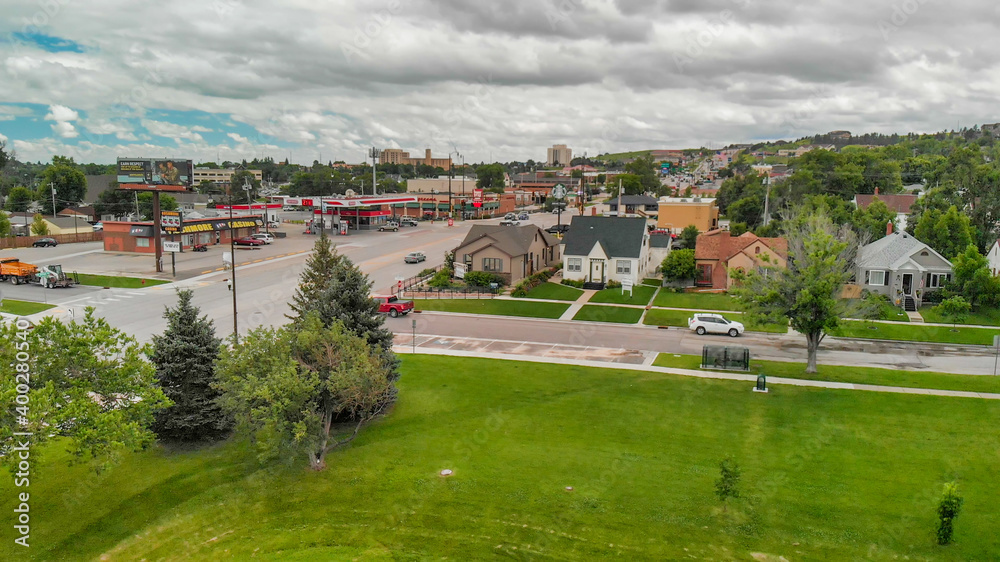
x=633, y=360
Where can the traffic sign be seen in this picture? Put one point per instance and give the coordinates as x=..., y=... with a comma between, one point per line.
x=171, y=246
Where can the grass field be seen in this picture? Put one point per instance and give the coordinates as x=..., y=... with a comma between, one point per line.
x=501, y=307
x=981, y=317
x=555, y=291
x=614, y=314
x=826, y=475
x=915, y=332
x=652, y=281
x=667, y=317
x=640, y=295
x=854, y=375
x=24, y=308
x=696, y=301
x=118, y=282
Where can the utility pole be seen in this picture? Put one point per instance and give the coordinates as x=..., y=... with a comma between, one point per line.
x=374, y=153
x=451, y=174
x=767, y=198
x=463, y=186
x=232, y=256
x=53, y=186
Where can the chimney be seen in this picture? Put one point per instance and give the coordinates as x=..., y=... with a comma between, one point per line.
x=888, y=227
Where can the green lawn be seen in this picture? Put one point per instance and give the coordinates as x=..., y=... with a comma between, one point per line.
x=981, y=317
x=24, y=308
x=915, y=332
x=555, y=291
x=615, y=314
x=854, y=375
x=826, y=475
x=118, y=282
x=667, y=317
x=887, y=311
x=640, y=295
x=697, y=301
x=652, y=281
x=501, y=307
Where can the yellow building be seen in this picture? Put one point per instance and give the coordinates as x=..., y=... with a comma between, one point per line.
x=676, y=213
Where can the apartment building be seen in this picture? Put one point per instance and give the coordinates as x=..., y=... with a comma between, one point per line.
x=220, y=177
x=399, y=156
x=559, y=154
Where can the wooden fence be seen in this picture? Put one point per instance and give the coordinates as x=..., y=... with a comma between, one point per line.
x=27, y=241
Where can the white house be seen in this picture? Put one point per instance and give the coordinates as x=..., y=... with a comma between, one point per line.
x=902, y=268
x=993, y=256
x=601, y=249
x=900, y=204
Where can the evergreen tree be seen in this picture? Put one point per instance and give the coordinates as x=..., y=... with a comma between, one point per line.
x=185, y=357
x=336, y=289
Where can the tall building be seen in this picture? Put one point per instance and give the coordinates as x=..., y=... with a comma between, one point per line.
x=220, y=177
x=398, y=156
x=559, y=154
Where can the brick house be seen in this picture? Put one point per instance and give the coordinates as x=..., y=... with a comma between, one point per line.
x=717, y=251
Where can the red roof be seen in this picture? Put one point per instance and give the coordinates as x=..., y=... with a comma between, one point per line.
x=896, y=203
x=721, y=245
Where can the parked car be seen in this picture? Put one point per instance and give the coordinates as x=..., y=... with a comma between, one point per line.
x=98, y=226
x=248, y=241
x=510, y=222
x=557, y=229
x=704, y=323
x=523, y=217
x=45, y=242
x=393, y=306
x=263, y=237
x=393, y=226
x=274, y=224
x=414, y=257
x=408, y=221
x=510, y=217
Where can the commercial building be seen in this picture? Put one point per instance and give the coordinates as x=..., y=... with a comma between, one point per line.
x=676, y=213
x=558, y=155
x=439, y=184
x=398, y=156
x=221, y=177
x=137, y=236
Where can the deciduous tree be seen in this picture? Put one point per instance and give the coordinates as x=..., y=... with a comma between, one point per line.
x=690, y=236
x=68, y=181
x=679, y=265
x=948, y=509
x=727, y=486
x=19, y=199
x=871, y=223
x=38, y=226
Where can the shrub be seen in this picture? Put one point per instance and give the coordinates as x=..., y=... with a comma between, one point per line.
x=426, y=272
x=441, y=279
x=483, y=279
x=613, y=284
x=678, y=265
x=573, y=283
x=529, y=283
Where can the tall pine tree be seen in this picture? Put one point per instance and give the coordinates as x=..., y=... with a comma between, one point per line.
x=185, y=357
x=336, y=289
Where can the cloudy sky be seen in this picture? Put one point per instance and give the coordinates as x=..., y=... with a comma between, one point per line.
x=233, y=79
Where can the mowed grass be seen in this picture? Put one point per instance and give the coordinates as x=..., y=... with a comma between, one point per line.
x=640, y=295
x=982, y=317
x=915, y=332
x=697, y=301
x=501, y=307
x=853, y=375
x=117, y=282
x=555, y=291
x=652, y=281
x=679, y=318
x=826, y=475
x=23, y=308
x=611, y=314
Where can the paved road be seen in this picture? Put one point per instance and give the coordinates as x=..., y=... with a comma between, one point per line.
x=890, y=355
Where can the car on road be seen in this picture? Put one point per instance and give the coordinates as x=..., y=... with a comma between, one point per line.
x=274, y=224
x=414, y=257
x=705, y=323
x=391, y=305
x=393, y=226
x=45, y=243
x=557, y=229
x=263, y=237
x=510, y=222
x=523, y=217
x=510, y=216
x=408, y=221
x=248, y=241
x=98, y=226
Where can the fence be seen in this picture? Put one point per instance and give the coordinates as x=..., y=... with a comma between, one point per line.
x=27, y=241
x=455, y=293
x=418, y=279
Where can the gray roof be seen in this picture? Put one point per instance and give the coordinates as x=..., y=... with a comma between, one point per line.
x=892, y=251
x=512, y=240
x=633, y=200
x=620, y=237
x=660, y=241
x=97, y=185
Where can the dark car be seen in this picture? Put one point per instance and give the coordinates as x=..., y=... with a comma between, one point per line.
x=557, y=229
x=45, y=242
x=248, y=241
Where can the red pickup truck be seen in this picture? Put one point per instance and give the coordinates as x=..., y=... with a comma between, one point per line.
x=393, y=306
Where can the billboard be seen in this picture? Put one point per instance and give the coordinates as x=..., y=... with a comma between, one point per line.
x=171, y=221
x=155, y=171
x=477, y=198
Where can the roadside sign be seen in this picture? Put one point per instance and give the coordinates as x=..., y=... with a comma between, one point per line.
x=171, y=246
x=451, y=221
x=227, y=258
x=399, y=285
x=627, y=286
x=477, y=198
x=559, y=191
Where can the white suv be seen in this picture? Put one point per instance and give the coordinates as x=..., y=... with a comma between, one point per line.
x=263, y=237
x=704, y=323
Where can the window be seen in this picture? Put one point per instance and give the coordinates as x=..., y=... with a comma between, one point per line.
x=492, y=264
x=574, y=264
x=142, y=242
x=623, y=267
x=468, y=260
x=877, y=278
x=936, y=280
x=704, y=274
x=756, y=250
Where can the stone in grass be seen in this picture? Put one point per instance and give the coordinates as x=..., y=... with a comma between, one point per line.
x=446, y=472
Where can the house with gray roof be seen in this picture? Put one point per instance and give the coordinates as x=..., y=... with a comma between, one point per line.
x=511, y=252
x=902, y=268
x=601, y=249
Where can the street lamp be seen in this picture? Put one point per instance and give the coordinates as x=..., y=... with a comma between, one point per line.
x=451, y=174
x=375, y=153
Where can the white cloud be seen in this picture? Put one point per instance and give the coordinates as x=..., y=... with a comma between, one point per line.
x=63, y=117
x=171, y=130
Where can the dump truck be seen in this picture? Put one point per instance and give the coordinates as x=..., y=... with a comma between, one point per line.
x=48, y=276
